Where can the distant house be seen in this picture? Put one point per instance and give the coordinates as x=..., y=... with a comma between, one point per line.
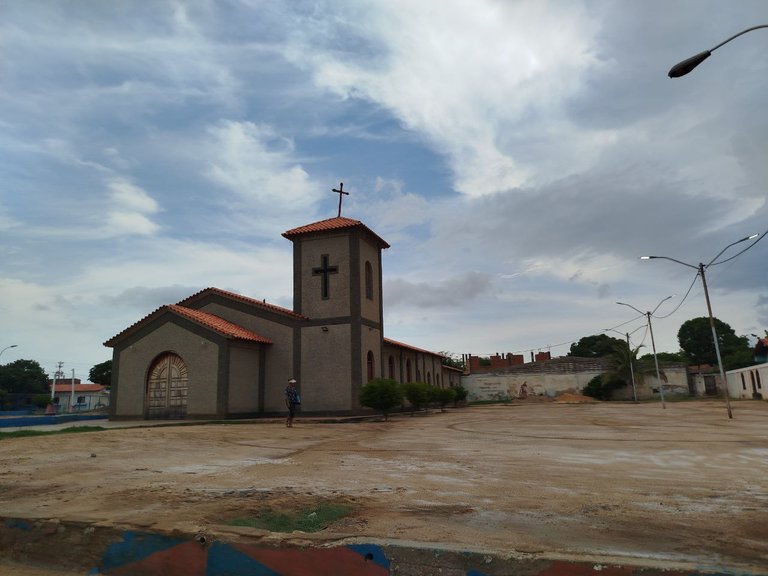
x=80, y=397
x=704, y=380
x=749, y=382
x=761, y=350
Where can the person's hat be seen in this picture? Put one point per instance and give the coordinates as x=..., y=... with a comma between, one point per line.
x=291, y=381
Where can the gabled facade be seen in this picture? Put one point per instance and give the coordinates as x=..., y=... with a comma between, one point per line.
x=217, y=354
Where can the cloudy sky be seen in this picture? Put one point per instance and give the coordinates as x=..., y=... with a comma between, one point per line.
x=518, y=156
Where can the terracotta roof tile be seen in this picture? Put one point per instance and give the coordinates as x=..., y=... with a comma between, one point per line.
x=210, y=321
x=64, y=386
x=331, y=224
x=218, y=324
x=241, y=298
x=409, y=347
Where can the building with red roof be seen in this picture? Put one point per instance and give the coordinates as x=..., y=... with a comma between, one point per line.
x=217, y=354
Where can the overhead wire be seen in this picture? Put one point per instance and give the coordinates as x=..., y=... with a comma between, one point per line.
x=645, y=335
x=681, y=301
x=760, y=237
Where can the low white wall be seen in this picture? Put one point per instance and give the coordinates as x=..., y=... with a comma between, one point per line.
x=502, y=385
x=748, y=383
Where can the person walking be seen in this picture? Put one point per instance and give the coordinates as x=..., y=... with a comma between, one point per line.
x=292, y=401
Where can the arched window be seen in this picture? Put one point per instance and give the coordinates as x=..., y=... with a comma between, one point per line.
x=429, y=377
x=392, y=367
x=371, y=366
x=408, y=371
x=368, y=280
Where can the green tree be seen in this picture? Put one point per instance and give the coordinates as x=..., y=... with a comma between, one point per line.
x=667, y=357
x=101, y=373
x=461, y=394
x=23, y=376
x=602, y=386
x=695, y=338
x=595, y=346
x=382, y=394
x=417, y=393
x=450, y=359
x=442, y=396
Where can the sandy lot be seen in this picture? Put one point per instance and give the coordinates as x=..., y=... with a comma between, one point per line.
x=621, y=481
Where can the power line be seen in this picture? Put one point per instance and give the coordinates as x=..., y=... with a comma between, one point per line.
x=741, y=252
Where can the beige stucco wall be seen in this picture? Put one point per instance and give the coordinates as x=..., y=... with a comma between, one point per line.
x=419, y=361
x=450, y=378
x=279, y=361
x=370, y=309
x=325, y=368
x=371, y=341
x=337, y=248
x=243, y=392
x=199, y=354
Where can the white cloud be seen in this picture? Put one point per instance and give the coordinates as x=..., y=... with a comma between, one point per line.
x=253, y=161
x=467, y=75
x=129, y=196
x=129, y=211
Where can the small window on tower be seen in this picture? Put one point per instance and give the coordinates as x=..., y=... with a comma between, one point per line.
x=368, y=281
x=371, y=366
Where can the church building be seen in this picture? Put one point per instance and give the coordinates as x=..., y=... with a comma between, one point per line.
x=217, y=354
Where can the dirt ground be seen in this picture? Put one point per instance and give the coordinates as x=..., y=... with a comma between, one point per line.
x=607, y=480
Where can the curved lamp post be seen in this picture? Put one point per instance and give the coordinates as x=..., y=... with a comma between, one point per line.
x=653, y=343
x=701, y=269
x=684, y=67
x=6, y=348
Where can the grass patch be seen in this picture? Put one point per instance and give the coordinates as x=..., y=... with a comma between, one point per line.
x=70, y=430
x=312, y=519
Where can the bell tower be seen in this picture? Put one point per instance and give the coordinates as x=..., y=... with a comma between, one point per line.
x=337, y=286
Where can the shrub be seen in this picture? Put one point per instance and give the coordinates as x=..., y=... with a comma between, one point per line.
x=418, y=394
x=461, y=394
x=442, y=396
x=41, y=400
x=382, y=394
x=602, y=386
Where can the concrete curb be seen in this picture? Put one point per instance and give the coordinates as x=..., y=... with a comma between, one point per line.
x=119, y=551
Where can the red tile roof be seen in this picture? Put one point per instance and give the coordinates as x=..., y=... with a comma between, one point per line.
x=409, y=347
x=339, y=223
x=64, y=386
x=210, y=321
x=217, y=324
x=233, y=296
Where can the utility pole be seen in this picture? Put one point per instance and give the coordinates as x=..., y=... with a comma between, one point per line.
x=72, y=394
x=58, y=375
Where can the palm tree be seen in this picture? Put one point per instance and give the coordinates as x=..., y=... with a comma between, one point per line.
x=624, y=365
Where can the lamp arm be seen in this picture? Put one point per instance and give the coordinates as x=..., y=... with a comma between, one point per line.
x=668, y=258
x=737, y=35
x=729, y=245
x=633, y=308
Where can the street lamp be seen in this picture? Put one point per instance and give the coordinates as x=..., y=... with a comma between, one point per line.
x=631, y=368
x=684, y=67
x=701, y=268
x=653, y=344
x=6, y=348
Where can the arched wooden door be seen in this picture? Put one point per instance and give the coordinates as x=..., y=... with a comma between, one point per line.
x=167, y=387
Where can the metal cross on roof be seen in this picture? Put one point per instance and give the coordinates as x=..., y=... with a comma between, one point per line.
x=341, y=194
